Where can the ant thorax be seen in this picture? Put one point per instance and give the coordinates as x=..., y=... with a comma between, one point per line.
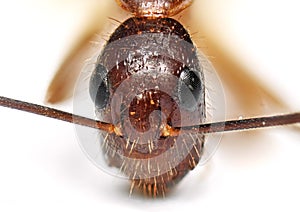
x=154, y=8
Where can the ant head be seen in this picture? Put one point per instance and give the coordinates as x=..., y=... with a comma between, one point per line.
x=141, y=93
x=148, y=78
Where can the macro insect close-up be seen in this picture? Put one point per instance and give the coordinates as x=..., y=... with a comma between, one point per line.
x=151, y=76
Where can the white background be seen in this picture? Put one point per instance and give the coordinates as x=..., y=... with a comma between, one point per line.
x=43, y=169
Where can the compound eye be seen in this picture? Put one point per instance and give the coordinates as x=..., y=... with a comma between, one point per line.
x=189, y=89
x=99, y=87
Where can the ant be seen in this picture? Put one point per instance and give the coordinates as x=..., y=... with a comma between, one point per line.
x=110, y=73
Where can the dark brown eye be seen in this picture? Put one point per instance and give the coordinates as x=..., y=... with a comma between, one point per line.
x=99, y=87
x=189, y=89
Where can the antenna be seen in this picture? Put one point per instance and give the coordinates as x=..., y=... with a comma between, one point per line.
x=232, y=125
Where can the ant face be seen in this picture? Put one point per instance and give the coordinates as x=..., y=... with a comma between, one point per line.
x=44, y=164
x=148, y=77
